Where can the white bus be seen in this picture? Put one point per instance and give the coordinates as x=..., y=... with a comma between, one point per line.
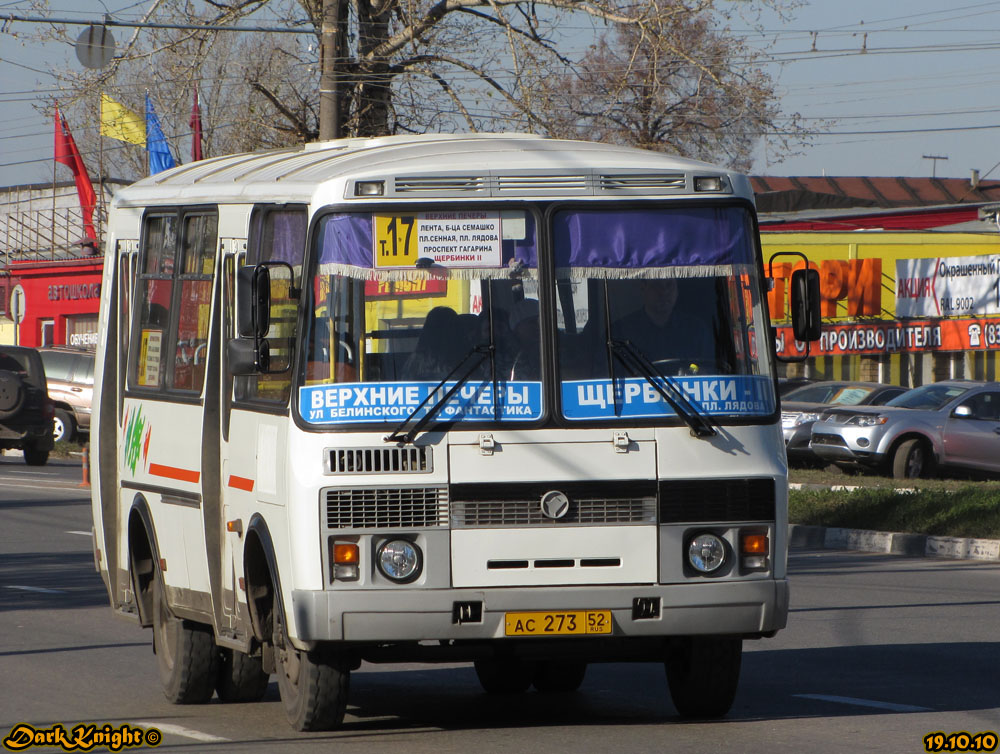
x=476, y=398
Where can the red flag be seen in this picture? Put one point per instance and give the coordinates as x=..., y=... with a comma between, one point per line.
x=195, y=124
x=67, y=153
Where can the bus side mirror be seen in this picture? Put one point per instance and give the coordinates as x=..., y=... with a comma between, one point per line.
x=246, y=357
x=253, y=301
x=805, y=300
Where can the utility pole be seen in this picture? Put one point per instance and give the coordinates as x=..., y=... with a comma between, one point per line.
x=329, y=104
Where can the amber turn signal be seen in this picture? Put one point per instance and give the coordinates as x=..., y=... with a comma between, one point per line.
x=754, y=544
x=346, y=554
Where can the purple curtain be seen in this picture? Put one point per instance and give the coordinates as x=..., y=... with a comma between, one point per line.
x=288, y=242
x=652, y=237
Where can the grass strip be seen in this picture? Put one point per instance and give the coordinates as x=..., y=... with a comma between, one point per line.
x=965, y=511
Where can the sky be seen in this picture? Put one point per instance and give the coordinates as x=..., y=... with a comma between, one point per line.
x=883, y=85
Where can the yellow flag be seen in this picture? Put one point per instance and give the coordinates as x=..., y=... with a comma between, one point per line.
x=118, y=122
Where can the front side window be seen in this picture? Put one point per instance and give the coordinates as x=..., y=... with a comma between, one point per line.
x=659, y=314
x=277, y=234
x=174, y=290
x=423, y=314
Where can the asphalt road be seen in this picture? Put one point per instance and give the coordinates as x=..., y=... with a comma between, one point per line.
x=880, y=651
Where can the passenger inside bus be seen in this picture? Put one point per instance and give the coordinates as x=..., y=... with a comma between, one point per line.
x=440, y=347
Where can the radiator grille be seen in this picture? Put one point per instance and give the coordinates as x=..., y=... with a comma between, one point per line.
x=716, y=500
x=386, y=508
x=529, y=513
x=408, y=460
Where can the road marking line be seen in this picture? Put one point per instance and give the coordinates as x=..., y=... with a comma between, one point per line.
x=38, y=589
x=180, y=730
x=82, y=533
x=864, y=703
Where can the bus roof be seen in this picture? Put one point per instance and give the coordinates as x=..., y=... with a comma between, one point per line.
x=427, y=166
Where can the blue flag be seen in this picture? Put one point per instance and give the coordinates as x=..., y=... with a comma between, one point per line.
x=156, y=143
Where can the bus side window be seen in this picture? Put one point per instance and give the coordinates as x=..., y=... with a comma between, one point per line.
x=153, y=298
x=195, y=305
x=276, y=234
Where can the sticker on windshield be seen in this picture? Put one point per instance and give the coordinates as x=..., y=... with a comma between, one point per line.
x=357, y=402
x=635, y=398
x=451, y=239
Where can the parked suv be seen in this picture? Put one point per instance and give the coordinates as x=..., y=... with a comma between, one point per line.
x=951, y=424
x=25, y=409
x=70, y=373
x=801, y=407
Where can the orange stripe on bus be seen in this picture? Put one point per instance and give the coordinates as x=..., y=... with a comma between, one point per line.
x=240, y=483
x=171, y=472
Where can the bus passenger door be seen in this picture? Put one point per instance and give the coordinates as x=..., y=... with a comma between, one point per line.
x=255, y=415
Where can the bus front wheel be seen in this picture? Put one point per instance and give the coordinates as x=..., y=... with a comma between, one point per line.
x=186, y=654
x=703, y=673
x=314, y=685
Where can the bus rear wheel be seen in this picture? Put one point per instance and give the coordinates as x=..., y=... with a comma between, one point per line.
x=186, y=654
x=241, y=677
x=314, y=685
x=504, y=676
x=703, y=673
x=559, y=676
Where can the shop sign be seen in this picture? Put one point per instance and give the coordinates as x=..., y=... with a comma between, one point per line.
x=895, y=337
x=858, y=282
x=948, y=286
x=74, y=291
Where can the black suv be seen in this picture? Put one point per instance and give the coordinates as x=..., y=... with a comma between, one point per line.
x=26, y=411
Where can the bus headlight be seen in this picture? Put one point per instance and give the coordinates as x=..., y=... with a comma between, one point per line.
x=706, y=553
x=399, y=560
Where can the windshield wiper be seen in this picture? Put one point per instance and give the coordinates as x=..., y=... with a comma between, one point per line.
x=484, y=350
x=639, y=365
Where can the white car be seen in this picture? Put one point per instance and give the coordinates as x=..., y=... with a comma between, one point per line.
x=952, y=424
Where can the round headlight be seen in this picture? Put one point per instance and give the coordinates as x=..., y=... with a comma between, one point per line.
x=399, y=560
x=706, y=553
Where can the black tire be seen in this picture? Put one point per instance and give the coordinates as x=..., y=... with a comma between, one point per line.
x=34, y=455
x=241, y=677
x=911, y=460
x=559, y=676
x=703, y=673
x=314, y=686
x=506, y=676
x=11, y=393
x=63, y=428
x=186, y=654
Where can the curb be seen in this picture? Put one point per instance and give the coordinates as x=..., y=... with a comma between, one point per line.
x=892, y=543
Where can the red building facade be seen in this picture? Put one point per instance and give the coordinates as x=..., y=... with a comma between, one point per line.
x=58, y=301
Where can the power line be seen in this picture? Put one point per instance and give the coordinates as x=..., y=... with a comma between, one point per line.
x=108, y=21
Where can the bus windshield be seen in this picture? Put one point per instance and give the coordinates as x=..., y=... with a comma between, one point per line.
x=438, y=315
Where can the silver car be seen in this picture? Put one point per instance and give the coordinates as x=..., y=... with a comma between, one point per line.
x=953, y=424
x=801, y=407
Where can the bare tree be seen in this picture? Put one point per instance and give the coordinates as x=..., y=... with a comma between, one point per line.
x=663, y=74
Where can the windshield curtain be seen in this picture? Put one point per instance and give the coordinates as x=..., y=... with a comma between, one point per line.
x=404, y=306
x=646, y=296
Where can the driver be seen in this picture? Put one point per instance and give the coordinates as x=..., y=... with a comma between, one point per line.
x=664, y=332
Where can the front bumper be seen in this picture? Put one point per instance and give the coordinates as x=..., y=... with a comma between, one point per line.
x=858, y=445
x=733, y=607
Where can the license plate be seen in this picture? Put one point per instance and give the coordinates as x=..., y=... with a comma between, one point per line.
x=565, y=623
